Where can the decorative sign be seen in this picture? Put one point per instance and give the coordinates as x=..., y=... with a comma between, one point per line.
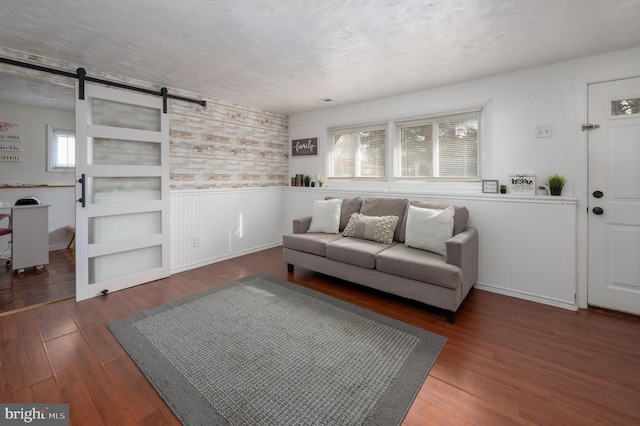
x=300, y=147
x=4, y=126
x=490, y=186
x=522, y=185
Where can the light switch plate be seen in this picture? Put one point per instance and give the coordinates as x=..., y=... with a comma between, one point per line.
x=543, y=131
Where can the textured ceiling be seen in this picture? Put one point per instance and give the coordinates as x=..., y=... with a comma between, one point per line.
x=286, y=56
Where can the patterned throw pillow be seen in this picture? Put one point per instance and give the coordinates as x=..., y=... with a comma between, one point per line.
x=374, y=228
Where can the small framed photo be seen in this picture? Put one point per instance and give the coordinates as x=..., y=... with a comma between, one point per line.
x=490, y=186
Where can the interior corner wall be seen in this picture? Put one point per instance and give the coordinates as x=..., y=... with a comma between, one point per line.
x=552, y=95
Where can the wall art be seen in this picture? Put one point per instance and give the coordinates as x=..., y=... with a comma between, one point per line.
x=303, y=147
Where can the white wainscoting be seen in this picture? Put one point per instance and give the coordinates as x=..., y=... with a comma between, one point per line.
x=208, y=226
x=527, y=244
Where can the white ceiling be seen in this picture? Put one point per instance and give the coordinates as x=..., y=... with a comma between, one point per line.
x=287, y=56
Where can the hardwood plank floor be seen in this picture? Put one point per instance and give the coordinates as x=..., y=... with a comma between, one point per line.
x=56, y=281
x=507, y=361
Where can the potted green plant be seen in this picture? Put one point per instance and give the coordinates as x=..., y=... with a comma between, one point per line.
x=306, y=179
x=555, y=183
x=503, y=189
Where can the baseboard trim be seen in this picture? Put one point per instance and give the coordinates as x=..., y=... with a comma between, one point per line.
x=528, y=296
x=223, y=258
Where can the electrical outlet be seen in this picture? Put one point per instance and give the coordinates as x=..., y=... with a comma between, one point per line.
x=543, y=131
x=196, y=241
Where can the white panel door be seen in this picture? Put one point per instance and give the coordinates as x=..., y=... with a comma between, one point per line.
x=122, y=216
x=614, y=196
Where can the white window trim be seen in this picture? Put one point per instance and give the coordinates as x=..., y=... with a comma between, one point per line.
x=410, y=184
x=431, y=118
x=51, y=148
x=357, y=128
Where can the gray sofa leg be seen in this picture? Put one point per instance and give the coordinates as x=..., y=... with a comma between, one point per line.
x=289, y=267
x=450, y=316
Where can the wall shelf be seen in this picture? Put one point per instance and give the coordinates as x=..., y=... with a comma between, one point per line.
x=8, y=148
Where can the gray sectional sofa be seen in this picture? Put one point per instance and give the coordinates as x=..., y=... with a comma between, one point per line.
x=428, y=254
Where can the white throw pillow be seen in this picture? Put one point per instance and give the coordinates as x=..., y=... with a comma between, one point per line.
x=326, y=216
x=429, y=229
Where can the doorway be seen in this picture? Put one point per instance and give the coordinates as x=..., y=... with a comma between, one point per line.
x=32, y=104
x=614, y=195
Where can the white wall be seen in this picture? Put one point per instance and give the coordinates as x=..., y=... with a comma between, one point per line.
x=32, y=170
x=32, y=129
x=516, y=102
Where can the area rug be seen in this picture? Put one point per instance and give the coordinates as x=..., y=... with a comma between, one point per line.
x=263, y=351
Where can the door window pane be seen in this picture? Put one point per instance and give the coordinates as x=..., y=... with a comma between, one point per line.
x=123, y=152
x=118, y=265
x=111, y=228
x=118, y=114
x=109, y=190
x=625, y=106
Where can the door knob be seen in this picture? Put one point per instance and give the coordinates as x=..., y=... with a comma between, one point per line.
x=598, y=194
x=598, y=210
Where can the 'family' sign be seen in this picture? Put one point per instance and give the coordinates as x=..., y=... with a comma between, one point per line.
x=301, y=147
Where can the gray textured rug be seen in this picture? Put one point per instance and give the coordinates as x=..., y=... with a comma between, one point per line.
x=262, y=351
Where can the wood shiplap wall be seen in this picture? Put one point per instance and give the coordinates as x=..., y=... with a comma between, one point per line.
x=225, y=145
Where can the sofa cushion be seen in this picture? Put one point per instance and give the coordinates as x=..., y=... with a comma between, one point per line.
x=355, y=251
x=460, y=217
x=374, y=228
x=314, y=243
x=429, y=229
x=418, y=265
x=385, y=206
x=326, y=216
x=349, y=207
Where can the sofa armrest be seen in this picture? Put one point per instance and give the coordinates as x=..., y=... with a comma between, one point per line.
x=462, y=251
x=301, y=225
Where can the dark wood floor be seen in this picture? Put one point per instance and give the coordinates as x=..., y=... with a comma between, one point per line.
x=33, y=287
x=506, y=361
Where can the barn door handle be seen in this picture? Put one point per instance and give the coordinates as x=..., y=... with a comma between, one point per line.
x=82, y=181
x=597, y=210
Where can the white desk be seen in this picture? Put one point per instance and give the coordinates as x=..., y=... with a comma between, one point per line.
x=30, y=236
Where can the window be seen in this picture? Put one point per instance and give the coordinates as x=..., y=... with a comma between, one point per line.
x=358, y=152
x=625, y=107
x=440, y=147
x=62, y=150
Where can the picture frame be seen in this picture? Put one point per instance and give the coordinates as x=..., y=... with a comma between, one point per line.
x=490, y=186
x=522, y=185
x=304, y=147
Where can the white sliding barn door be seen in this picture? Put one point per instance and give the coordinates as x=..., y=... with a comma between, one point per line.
x=122, y=216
